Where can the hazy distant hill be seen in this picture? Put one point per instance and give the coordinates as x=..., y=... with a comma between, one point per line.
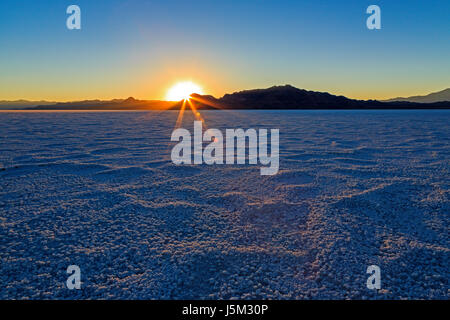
x=117, y=104
x=21, y=104
x=277, y=97
x=443, y=95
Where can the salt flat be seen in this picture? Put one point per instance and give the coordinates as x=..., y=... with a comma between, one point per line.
x=98, y=190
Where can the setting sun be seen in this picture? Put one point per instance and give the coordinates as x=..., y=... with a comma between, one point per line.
x=182, y=91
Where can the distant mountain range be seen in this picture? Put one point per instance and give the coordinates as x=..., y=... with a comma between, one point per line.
x=443, y=95
x=277, y=97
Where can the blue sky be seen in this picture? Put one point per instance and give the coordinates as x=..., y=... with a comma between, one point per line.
x=141, y=48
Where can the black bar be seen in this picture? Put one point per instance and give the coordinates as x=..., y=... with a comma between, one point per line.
x=238, y=309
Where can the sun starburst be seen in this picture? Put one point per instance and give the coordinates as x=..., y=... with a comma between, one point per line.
x=183, y=91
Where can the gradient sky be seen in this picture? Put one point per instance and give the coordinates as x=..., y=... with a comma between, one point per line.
x=141, y=48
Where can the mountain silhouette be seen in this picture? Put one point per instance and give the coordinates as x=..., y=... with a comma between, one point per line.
x=286, y=97
x=289, y=97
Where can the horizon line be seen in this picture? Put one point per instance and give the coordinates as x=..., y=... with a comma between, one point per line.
x=4, y=100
